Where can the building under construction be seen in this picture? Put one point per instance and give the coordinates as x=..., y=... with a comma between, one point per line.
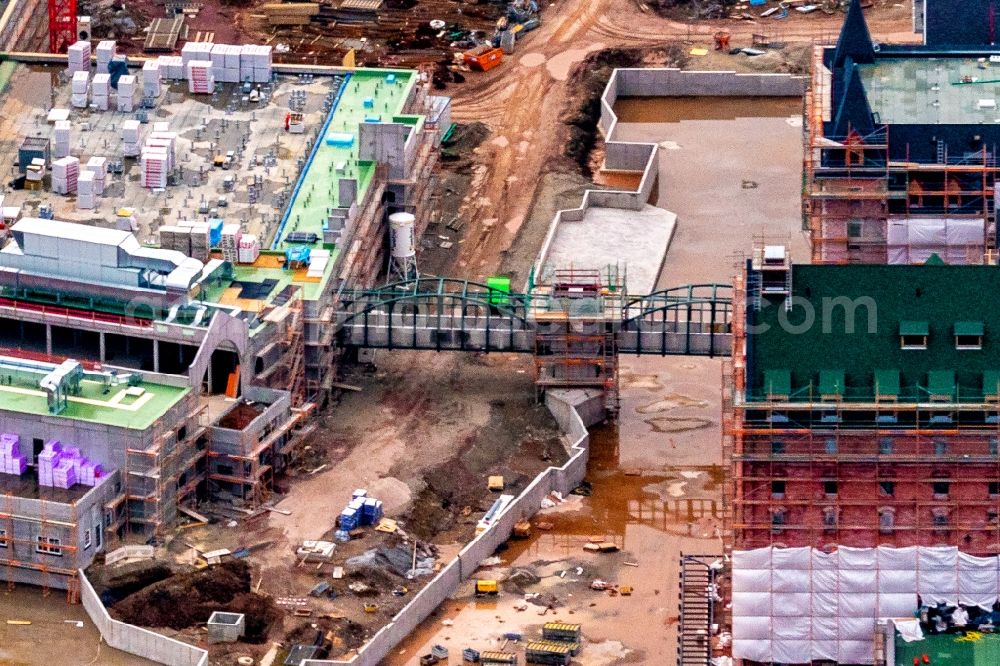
x=182, y=360
x=901, y=142
x=864, y=406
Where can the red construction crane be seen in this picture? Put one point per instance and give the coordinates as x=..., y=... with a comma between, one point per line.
x=62, y=25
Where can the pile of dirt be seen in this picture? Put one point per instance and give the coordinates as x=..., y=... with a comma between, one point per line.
x=792, y=59
x=693, y=9
x=119, y=581
x=456, y=152
x=188, y=599
x=588, y=80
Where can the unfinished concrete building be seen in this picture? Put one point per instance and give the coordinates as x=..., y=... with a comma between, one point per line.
x=901, y=140
x=862, y=407
x=145, y=442
x=190, y=369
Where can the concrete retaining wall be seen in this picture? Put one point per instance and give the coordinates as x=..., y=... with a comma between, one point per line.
x=573, y=410
x=136, y=640
x=634, y=156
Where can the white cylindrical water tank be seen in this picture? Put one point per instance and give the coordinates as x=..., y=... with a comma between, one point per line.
x=402, y=244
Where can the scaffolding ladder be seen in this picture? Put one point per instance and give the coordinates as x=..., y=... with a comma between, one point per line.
x=697, y=610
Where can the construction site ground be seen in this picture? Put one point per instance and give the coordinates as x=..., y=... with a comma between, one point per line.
x=425, y=425
x=655, y=476
x=423, y=434
x=38, y=629
x=656, y=492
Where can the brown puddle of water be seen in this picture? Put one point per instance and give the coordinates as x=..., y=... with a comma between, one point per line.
x=619, y=180
x=623, y=509
x=676, y=109
x=618, y=499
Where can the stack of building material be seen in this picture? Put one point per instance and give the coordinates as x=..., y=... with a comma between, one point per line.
x=130, y=138
x=64, y=473
x=175, y=238
x=151, y=79
x=200, y=246
x=35, y=171
x=249, y=249
x=47, y=460
x=291, y=13
x=101, y=89
x=90, y=473
x=80, y=89
x=372, y=511
x=64, y=467
x=65, y=173
x=164, y=139
x=154, y=167
x=11, y=460
x=318, y=259
x=247, y=52
x=86, y=196
x=128, y=90
x=99, y=167
x=79, y=56
x=230, y=242
x=171, y=67
x=60, y=139
x=361, y=511
x=196, y=51
x=200, y=77
x=262, y=63
x=105, y=53
x=219, y=61
x=234, y=64
x=215, y=225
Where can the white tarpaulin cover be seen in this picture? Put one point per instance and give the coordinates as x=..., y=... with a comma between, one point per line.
x=793, y=605
x=914, y=240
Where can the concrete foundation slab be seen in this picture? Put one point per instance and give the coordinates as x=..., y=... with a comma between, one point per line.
x=636, y=241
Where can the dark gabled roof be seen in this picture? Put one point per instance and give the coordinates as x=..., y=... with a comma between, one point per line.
x=853, y=111
x=855, y=42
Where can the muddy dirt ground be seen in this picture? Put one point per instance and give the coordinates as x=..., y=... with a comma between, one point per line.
x=655, y=493
x=423, y=434
x=58, y=633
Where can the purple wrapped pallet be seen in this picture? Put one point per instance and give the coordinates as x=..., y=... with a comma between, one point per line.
x=71, y=451
x=53, y=445
x=18, y=465
x=90, y=473
x=63, y=475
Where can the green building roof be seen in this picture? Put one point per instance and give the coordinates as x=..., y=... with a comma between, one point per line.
x=975, y=649
x=115, y=408
x=858, y=332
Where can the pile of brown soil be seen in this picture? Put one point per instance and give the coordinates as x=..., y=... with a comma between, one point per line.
x=189, y=599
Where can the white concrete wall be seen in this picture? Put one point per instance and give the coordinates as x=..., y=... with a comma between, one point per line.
x=574, y=410
x=635, y=156
x=136, y=640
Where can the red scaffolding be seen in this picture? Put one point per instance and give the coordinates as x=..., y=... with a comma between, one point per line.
x=62, y=25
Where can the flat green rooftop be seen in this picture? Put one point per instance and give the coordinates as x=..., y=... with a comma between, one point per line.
x=974, y=649
x=908, y=333
x=115, y=408
x=319, y=191
x=928, y=91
